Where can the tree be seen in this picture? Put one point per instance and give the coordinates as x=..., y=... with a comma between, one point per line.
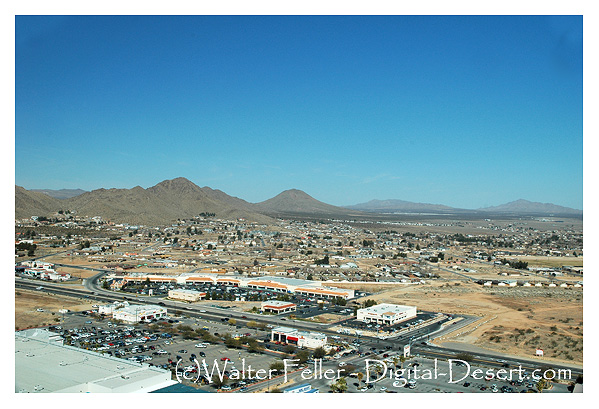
x=277, y=366
x=253, y=346
x=541, y=384
x=319, y=353
x=339, y=386
x=360, y=376
x=289, y=349
x=218, y=382
x=369, y=303
x=302, y=355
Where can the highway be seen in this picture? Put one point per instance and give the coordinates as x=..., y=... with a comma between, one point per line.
x=94, y=292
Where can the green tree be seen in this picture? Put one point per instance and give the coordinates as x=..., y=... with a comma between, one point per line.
x=339, y=386
x=218, y=382
x=542, y=384
x=319, y=353
x=289, y=349
x=302, y=355
x=369, y=303
x=277, y=367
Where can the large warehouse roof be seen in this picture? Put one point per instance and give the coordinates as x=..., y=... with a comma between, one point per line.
x=43, y=364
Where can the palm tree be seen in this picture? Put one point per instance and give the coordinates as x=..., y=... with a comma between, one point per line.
x=360, y=377
x=541, y=384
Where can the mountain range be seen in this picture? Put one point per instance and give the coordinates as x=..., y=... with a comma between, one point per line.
x=517, y=207
x=60, y=194
x=180, y=198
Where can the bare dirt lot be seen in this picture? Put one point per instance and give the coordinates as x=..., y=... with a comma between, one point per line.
x=546, y=261
x=27, y=303
x=519, y=320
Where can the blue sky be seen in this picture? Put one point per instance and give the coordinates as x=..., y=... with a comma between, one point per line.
x=468, y=111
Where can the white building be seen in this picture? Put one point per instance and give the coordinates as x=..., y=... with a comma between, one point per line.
x=308, y=288
x=54, y=276
x=108, y=309
x=277, y=306
x=186, y=295
x=137, y=313
x=306, y=339
x=386, y=314
x=44, y=365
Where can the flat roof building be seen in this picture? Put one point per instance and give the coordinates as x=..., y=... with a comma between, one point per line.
x=306, y=339
x=138, y=313
x=270, y=283
x=44, y=365
x=277, y=306
x=386, y=314
x=109, y=309
x=186, y=295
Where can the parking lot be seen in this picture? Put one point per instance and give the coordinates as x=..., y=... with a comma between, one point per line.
x=166, y=347
x=163, y=346
x=423, y=375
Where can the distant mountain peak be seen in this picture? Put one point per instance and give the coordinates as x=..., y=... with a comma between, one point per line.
x=526, y=206
x=295, y=201
x=60, y=193
x=178, y=185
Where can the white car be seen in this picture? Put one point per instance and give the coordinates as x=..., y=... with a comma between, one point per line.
x=225, y=388
x=40, y=310
x=202, y=310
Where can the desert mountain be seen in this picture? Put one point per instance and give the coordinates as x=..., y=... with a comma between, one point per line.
x=522, y=206
x=163, y=203
x=61, y=193
x=179, y=198
x=402, y=206
x=297, y=202
x=29, y=203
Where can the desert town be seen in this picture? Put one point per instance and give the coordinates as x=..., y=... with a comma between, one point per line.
x=505, y=288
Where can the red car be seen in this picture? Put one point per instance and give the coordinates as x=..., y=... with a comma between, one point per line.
x=225, y=359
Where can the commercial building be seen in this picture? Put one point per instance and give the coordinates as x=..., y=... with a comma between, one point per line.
x=386, y=314
x=44, y=365
x=277, y=307
x=325, y=292
x=186, y=295
x=109, y=309
x=306, y=339
x=309, y=288
x=138, y=313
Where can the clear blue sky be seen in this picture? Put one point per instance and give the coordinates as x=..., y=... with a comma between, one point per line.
x=463, y=111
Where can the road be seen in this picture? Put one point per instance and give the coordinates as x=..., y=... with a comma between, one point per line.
x=94, y=292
